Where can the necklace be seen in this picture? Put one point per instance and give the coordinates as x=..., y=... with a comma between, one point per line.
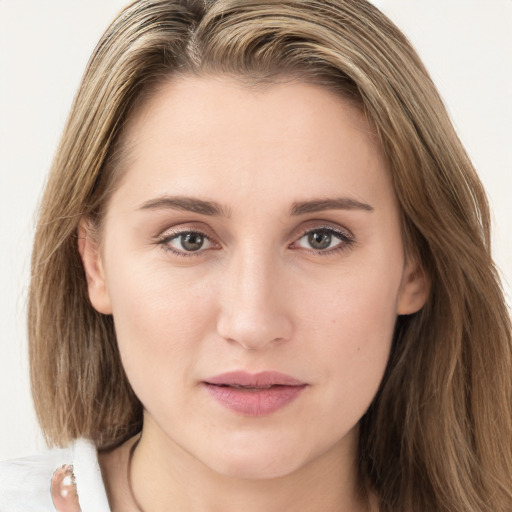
x=129, y=475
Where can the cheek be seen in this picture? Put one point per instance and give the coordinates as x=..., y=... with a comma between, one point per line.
x=357, y=305
x=353, y=326
x=160, y=318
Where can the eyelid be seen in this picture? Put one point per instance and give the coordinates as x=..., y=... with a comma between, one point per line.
x=316, y=225
x=185, y=226
x=175, y=231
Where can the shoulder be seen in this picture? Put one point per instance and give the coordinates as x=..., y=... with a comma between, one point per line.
x=25, y=483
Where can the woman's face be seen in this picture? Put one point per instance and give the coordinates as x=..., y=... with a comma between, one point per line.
x=254, y=230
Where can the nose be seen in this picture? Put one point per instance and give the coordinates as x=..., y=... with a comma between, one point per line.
x=253, y=309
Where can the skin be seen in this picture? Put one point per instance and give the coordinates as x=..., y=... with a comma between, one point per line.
x=256, y=296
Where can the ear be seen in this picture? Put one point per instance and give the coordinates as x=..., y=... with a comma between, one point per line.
x=88, y=248
x=414, y=288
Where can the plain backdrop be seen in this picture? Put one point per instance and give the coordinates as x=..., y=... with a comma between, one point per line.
x=44, y=47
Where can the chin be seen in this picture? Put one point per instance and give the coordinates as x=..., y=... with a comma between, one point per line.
x=258, y=464
x=255, y=471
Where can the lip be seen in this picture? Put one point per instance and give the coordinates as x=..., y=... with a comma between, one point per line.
x=257, y=394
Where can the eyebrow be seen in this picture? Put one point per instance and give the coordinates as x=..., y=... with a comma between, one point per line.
x=319, y=205
x=187, y=204
x=214, y=209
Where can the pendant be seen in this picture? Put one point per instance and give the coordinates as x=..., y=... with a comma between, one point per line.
x=63, y=490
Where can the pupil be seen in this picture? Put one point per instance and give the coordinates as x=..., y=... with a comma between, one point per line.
x=192, y=241
x=319, y=239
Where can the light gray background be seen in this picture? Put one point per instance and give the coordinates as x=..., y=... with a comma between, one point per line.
x=44, y=47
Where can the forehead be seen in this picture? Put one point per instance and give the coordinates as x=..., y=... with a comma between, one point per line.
x=211, y=135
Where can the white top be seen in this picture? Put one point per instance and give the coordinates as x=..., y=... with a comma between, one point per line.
x=25, y=483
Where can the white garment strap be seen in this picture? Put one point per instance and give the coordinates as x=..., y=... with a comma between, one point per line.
x=89, y=482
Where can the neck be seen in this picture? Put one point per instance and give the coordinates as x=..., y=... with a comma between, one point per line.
x=328, y=483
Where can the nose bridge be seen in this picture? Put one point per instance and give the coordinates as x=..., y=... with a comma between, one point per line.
x=252, y=311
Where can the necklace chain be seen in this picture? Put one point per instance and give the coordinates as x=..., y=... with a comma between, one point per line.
x=129, y=476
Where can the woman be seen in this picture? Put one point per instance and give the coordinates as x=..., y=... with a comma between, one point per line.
x=262, y=276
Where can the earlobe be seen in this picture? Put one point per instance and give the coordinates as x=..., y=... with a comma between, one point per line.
x=93, y=267
x=414, y=289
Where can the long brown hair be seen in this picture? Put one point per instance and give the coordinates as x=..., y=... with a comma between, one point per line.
x=438, y=436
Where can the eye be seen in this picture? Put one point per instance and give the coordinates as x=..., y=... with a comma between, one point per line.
x=324, y=240
x=186, y=242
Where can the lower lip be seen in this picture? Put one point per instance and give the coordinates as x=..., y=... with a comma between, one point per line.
x=259, y=402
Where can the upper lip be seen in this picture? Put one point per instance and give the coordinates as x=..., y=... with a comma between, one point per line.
x=254, y=380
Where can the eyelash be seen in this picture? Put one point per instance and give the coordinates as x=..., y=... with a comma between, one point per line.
x=346, y=241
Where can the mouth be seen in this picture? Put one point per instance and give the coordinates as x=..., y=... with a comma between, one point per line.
x=246, y=388
x=258, y=394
